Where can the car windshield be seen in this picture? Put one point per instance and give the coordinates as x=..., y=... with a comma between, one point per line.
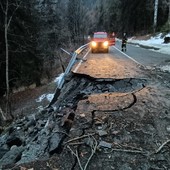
x=100, y=36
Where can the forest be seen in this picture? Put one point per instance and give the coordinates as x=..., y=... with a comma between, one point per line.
x=32, y=32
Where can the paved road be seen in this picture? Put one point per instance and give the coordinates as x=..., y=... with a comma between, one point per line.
x=119, y=65
x=144, y=56
x=109, y=65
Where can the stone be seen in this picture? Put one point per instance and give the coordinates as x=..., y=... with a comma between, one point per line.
x=18, y=128
x=12, y=156
x=98, y=87
x=90, y=88
x=30, y=129
x=102, y=132
x=89, y=141
x=3, y=151
x=105, y=144
x=98, y=122
x=99, y=127
x=32, y=122
x=54, y=142
x=13, y=147
x=167, y=40
x=115, y=132
x=82, y=115
x=168, y=128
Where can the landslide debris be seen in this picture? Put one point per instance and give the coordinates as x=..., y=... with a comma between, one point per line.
x=94, y=123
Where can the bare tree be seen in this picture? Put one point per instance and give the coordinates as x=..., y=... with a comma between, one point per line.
x=167, y=2
x=169, y=14
x=7, y=22
x=155, y=15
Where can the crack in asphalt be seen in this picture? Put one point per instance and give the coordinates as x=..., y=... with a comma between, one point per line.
x=115, y=110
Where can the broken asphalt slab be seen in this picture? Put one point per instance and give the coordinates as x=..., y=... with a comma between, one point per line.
x=116, y=116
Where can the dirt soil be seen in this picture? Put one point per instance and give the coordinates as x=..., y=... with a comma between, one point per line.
x=119, y=131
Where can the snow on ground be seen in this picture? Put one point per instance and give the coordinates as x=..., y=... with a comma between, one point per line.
x=49, y=97
x=58, y=79
x=165, y=68
x=155, y=42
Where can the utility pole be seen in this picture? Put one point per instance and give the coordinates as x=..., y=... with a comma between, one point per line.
x=155, y=15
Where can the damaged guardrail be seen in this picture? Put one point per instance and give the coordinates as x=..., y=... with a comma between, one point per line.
x=68, y=69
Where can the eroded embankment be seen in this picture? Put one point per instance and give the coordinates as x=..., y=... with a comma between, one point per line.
x=94, y=113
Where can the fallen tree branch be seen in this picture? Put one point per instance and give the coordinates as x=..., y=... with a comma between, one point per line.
x=80, y=137
x=93, y=150
x=77, y=143
x=159, y=149
x=130, y=151
x=76, y=155
x=57, y=131
x=3, y=114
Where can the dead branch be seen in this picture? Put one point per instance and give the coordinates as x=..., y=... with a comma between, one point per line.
x=80, y=137
x=92, y=153
x=57, y=131
x=77, y=143
x=160, y=148
x=9, y=21
x=93, y=150
x=2, y=7
x=3, y=114
x=130, y=151
x=76, y=155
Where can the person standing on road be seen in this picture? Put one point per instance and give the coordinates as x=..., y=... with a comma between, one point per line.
x=124, y=41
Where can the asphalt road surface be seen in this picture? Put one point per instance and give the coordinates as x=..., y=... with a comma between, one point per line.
x=117, y=64
x=144, y=56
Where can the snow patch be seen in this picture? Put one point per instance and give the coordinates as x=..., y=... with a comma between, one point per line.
x=41, y=98
x=48, y=97
x=59, y=78
x=156, y=42
x=165, y=68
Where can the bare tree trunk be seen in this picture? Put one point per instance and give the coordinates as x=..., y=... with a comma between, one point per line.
x=169, y=15
x=155, y=15
x=7, y=21
x=7, y=61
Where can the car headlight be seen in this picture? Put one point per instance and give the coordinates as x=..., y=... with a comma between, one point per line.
x=106, y=43
x=94, y=44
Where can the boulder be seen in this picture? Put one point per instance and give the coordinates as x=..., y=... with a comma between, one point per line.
x=167, y=40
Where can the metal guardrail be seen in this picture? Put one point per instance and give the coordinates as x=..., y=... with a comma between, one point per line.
x=71, y=63
x=69, y=67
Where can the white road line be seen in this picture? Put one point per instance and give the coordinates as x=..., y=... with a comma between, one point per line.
x=75, y=70
x=128, y=56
